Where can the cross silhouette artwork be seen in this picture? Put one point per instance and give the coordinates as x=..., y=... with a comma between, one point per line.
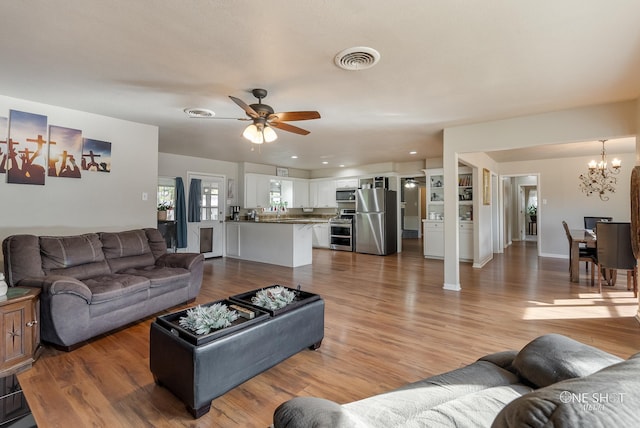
x=93, y=162
x=26, y=171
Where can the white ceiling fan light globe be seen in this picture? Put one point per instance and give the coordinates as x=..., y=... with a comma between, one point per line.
x=252, y=134
x=269, y=134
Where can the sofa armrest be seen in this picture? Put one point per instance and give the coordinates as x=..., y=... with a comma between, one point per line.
x=502, y=359
x=180, y=260
x=58, y=284
x=305, y=412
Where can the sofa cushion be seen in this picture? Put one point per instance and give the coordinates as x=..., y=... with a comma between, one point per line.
x=60, y=252
x=427, y=400
x=125, y=250
x=115, y=286
x=159, y=276
x=607, y=398
x=552, y=358
x=125, y=244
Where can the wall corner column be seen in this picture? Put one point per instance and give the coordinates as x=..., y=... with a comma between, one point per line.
x=451, y=243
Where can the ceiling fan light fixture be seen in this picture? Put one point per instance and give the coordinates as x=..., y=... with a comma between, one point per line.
x=252, y=134
x=269, y=134
x=410, y=183
x=357, y=58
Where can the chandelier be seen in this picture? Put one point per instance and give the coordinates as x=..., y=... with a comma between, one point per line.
x=600, y=179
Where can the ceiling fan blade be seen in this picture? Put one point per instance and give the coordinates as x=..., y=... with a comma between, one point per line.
x=288, y=116
x=290, y=128
x=251, y=112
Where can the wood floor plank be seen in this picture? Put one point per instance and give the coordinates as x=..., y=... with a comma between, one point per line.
x=388, y=321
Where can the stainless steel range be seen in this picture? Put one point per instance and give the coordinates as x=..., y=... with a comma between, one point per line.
x=341, y=230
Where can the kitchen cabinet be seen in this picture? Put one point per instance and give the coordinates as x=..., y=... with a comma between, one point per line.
x=434, y=225
x=321, y=235
x=263, y=191
x=435, y=194
x=256, y=191
x=465, y=240
x=433, y=239
x=347, y=183
x=322, y=193
x=300, y=194
x=233, y=238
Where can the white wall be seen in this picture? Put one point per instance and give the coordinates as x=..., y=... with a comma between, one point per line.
x=559, y=186
x=97, y=201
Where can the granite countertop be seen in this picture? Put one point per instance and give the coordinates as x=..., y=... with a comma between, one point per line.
x=287, y=220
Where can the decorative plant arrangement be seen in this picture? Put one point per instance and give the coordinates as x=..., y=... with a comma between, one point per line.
x=162, y=210
x=273, y=298
x=204, y=319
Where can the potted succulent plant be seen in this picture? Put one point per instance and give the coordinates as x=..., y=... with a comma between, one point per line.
x=204, y=319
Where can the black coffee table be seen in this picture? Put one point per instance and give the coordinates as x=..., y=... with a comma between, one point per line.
x=197, y=371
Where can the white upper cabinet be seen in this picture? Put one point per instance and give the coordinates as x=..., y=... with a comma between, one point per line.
x=300, y=194
x=256, y=190
x=322, y=194
x=347, y=183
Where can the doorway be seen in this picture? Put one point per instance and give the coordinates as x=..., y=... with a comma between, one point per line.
x=207, y=235
x=521, y=210
x=412, y=211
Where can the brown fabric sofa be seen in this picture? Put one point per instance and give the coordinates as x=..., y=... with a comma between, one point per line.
x=97, y=282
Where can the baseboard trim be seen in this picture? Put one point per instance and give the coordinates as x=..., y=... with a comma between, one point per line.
x=452, y=287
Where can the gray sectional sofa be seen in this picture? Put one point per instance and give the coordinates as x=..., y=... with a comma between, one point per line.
x=554, y=381
x=97, y=282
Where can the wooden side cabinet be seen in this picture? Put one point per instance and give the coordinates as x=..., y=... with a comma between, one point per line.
x=20, y=328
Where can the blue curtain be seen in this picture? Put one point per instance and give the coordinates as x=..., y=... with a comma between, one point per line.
x=181, y=215
x=195, y=192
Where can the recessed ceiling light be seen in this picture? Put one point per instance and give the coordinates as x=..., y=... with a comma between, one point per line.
x=325, y=163
x=294, y=157
x=199, y=112
x=413, y=153
x=341, y=166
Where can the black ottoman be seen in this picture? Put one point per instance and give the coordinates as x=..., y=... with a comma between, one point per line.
x=199, y=373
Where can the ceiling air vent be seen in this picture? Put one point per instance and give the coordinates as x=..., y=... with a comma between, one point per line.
x=199, y=112
x=358, y=58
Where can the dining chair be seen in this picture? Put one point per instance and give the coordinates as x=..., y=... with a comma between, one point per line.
x=590, y=222
x=615, y=252
x=587, y=255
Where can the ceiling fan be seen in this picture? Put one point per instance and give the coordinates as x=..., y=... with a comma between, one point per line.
x=265, y=119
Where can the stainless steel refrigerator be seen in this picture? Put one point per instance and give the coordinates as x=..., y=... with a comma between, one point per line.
x=376, y=225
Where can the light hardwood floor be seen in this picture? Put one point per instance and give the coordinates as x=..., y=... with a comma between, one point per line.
x=387, y=322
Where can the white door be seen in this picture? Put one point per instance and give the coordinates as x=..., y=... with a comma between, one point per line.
x=207, y=235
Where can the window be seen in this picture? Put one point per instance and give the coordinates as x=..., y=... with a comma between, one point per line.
x=210, y=192
x=167, y=195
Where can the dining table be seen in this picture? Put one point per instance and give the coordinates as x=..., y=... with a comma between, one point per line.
x=579, y=236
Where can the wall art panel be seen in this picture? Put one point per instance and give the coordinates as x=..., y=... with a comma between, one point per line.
x=65, y=148
x=27, y=133
x=96, y=155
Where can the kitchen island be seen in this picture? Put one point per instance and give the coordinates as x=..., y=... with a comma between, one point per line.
x=284, y=242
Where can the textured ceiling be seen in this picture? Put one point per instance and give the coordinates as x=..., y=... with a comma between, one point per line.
x=443, y=63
